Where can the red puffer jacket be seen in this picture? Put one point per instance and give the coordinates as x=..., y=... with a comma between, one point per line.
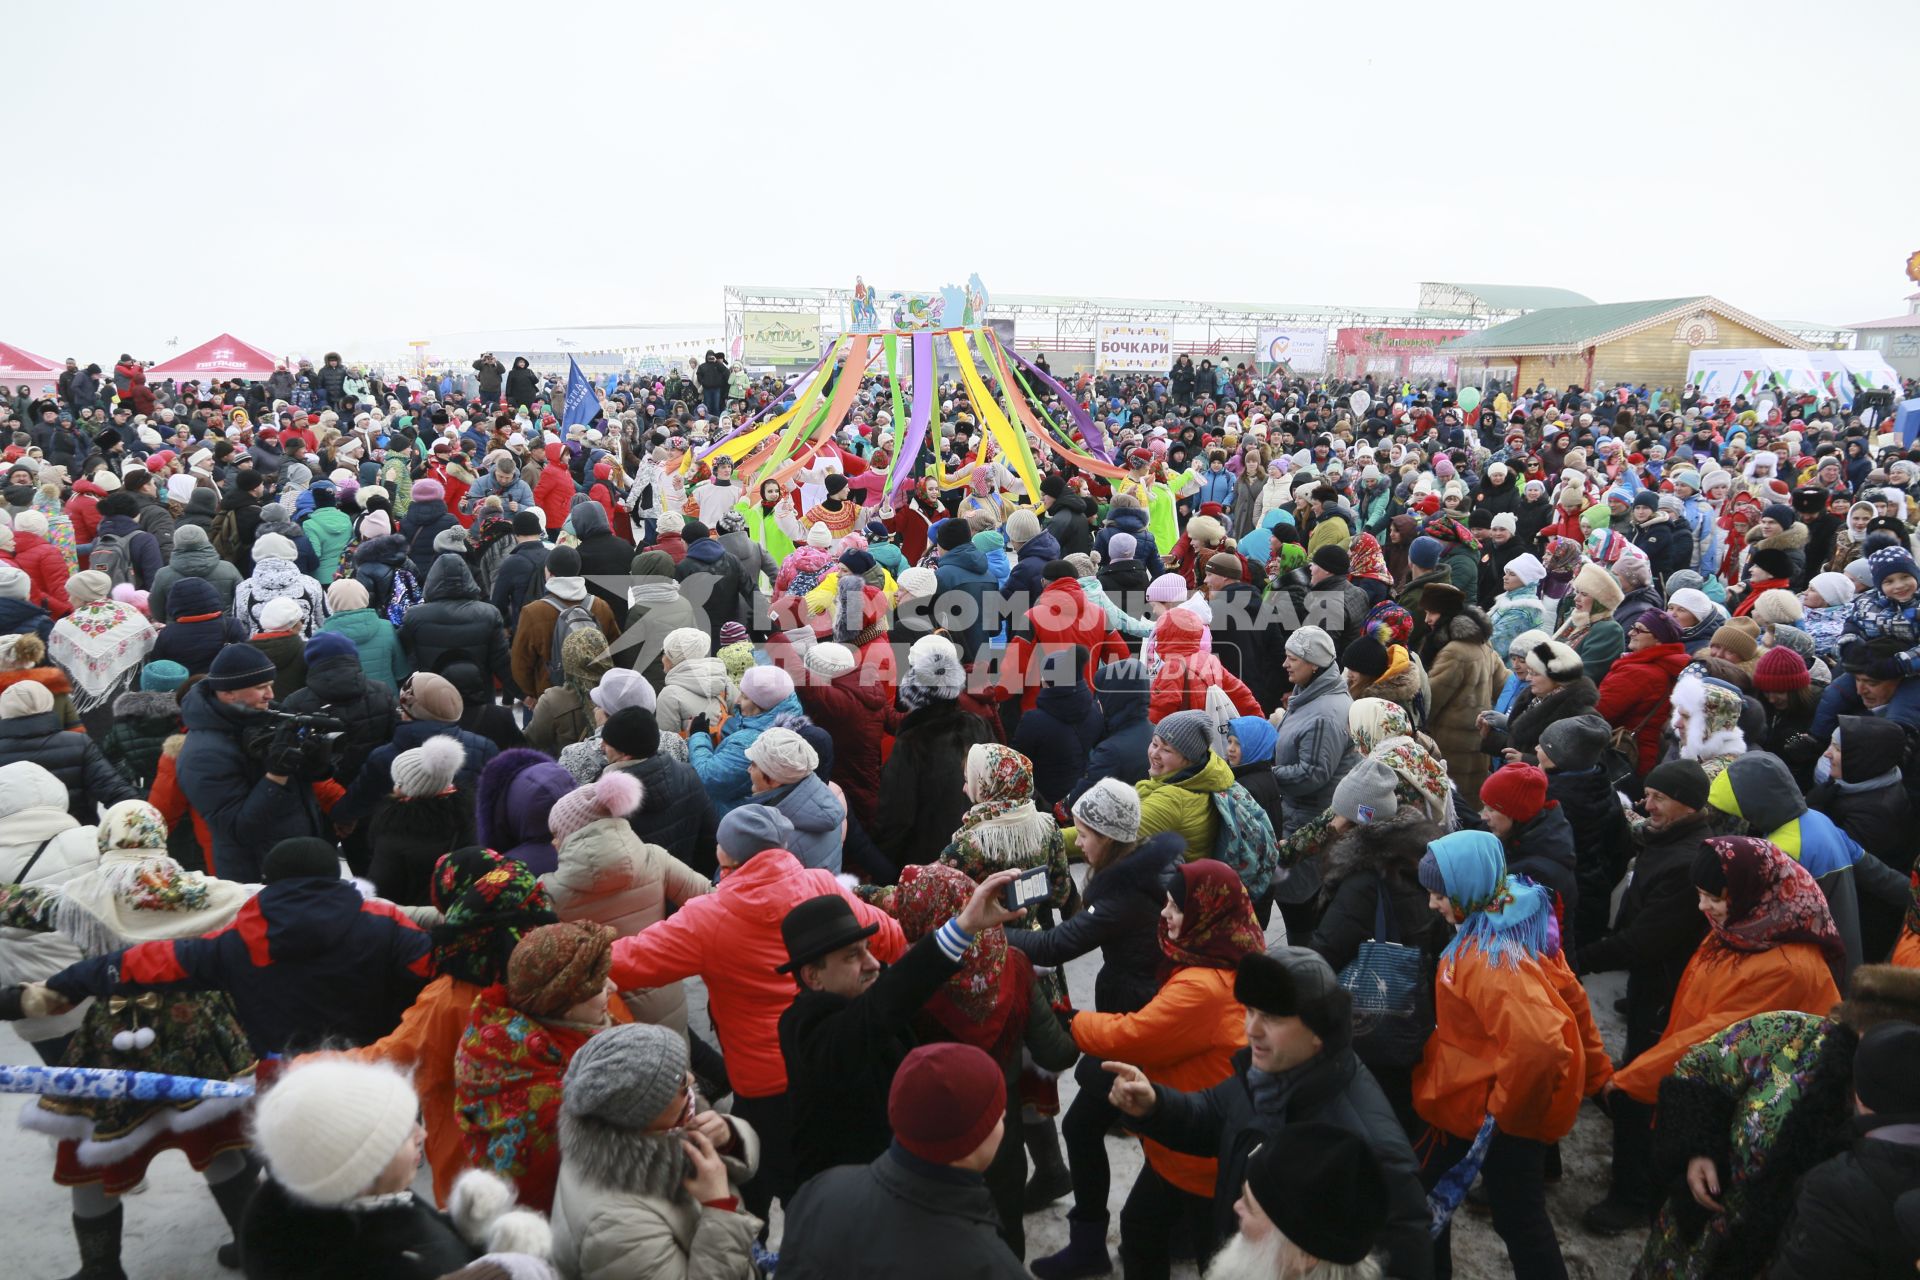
x=1185, y=673
x=856, y=710
x=1634, y=694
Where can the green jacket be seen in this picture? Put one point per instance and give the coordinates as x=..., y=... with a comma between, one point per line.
x=1182, y=803
x=328, y=531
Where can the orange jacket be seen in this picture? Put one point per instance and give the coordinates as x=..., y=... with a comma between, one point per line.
x=731, y=938
x=1516, y=1041
x=1185, y=1039
x=426, y=1041
x=1906, y=952
x=1721, y=987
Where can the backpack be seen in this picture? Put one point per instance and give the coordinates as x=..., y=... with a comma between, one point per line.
x=569, y=618
x=1246, y=841
x=405, y=593
x=114, y=557
x=225, y=535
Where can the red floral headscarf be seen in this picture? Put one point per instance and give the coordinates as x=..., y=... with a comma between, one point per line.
x=1771, y=899
x=1219, y=926
x=985, y=1004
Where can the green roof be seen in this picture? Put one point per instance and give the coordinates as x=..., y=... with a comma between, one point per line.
x=1567, y=326
x=1521, y=297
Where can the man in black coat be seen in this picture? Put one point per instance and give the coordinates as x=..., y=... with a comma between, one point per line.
x=604, y=556
x=1299, y=1042
x=452, y=617
x=244, y=775
x=922, y=1207
x=1332, y=602
x=712, y=578
x=848, y=1030
x=522, y=575
x=1656, y=933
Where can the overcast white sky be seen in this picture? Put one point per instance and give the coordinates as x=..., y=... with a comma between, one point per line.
x=307, y=173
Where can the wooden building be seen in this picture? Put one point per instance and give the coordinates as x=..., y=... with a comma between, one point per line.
x=1610, y=343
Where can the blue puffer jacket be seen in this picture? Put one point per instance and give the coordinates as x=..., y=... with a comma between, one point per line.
x=1218, y=486
x=307, y=961
x=816, y=816
x=963, y=571
x=723, y=767
x=1133, y=521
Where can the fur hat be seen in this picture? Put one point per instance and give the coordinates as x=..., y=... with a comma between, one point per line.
x=1557, y=661
x=1599, y=585
x=1205, y=531
x=1878, y=993
x=1294, y=982
x=428, y=769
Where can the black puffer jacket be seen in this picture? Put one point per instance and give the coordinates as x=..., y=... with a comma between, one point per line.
x=224, y=777
x=142, y=723
x=453, y=617
x=374, y=565
x=675, y=811
x=425, y=520
x=72, y=757
x=1601, y=843
x=919, y=805
x=1542, y=850
x=339, y=688
x=603, y=554
x=1123, y=904
x=1387, y=851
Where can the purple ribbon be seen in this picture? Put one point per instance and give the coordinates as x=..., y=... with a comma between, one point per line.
x=925, y=392
x=770, y=407
x=1090, y=435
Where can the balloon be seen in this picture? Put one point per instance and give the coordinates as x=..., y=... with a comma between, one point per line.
x=1359, y=402
x=1469, y=399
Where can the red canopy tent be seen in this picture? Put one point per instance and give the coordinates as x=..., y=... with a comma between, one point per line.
x=17, y=366
x=216, y=361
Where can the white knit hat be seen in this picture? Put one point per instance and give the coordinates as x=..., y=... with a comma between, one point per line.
x=783, y=755
x=918, y=582
x=818, y=537
x=14, y=583
x=1110, y=807
x=428, y=769
x=273, y=546
x=683, y=644
x=829, y=661
x=330, y=1126
x=281, y=614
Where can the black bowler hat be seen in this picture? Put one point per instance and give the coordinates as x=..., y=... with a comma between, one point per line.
x=818, y=926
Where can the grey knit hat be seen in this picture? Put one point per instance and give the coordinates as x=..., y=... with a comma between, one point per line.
x=1112, y=808
x=1366, y=794
x=626, y=1075
x=1188, y=732
x=1313, y=645
x=1575, y=744
x=752, y=828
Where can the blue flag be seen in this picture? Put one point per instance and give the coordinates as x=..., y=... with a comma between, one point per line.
x=582, y=404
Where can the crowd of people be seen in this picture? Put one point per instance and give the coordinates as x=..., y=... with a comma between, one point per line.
x=403, y=749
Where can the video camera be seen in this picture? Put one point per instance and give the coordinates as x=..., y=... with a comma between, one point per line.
x=295, y=744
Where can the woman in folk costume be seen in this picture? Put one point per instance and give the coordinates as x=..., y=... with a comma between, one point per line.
x=1513, y=1050
x=488, y=902
x=996, y=1003
x=136, y=893
x=101, y=646
x=912, y=521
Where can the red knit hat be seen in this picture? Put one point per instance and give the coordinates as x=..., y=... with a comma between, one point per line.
x=1780, y=670
x=1519, y=791
x=945, y=1100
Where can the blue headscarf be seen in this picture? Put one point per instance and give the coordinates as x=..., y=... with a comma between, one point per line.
x=1505, y=916
x=1255, y=736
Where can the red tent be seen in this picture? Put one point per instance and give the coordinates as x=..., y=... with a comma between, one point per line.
x=17, y=366
x=224, y=357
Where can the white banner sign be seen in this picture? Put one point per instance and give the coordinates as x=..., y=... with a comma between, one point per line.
x=1134, y=348
x=1755, y=371
x=1302, y=350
